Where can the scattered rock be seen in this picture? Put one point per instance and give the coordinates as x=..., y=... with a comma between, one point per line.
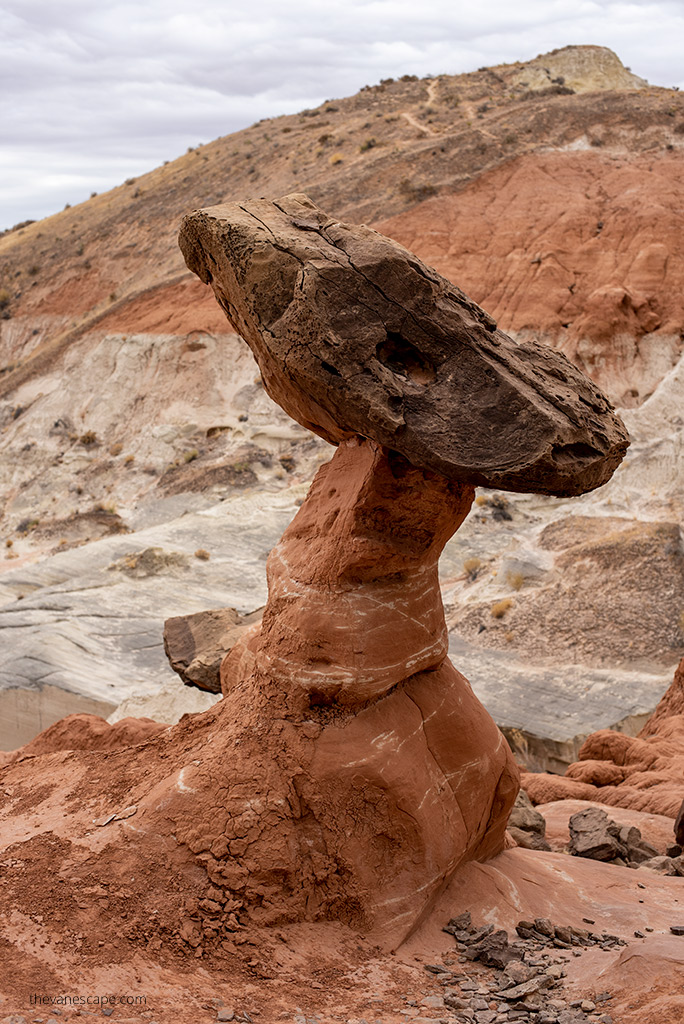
x=593, y=835
x=527, y=825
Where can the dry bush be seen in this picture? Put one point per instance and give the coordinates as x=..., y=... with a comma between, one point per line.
x=471, y=566
x=515, y=579
x=499, y=609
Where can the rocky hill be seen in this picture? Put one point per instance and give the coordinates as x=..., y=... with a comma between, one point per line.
x=145, y=472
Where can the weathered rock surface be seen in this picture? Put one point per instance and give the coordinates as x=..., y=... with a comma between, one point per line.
x=354, y=601
x=86, y=732
x=593, y=834
x=354, y=335
x=549, y=245
x=576, y=606
x=84, y=629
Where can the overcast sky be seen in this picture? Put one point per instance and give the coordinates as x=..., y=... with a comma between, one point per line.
x=95, y=91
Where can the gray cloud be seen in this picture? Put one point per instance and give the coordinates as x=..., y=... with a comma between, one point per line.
x=95, y=93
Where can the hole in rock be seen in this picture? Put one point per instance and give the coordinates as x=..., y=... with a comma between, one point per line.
x=330, y=369
x=404, y=359
x=578, y=452
x=398, y=464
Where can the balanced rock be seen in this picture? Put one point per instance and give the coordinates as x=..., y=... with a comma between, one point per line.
x=349, y=769
x=354, y=335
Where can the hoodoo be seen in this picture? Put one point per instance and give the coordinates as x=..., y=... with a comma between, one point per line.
x=404, y=775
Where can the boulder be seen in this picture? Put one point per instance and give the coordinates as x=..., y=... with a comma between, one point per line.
x=353, y=334
x=526, y=825
x=197, y=644
x=594, y=835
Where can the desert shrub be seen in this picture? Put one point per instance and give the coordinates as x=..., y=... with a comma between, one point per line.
x=4, y=298
x=88, y=439
x=368, y=144
x=416, y=192
x=471, y=566
x=28, y=524
x=202, y=554
x=499, y=609
x=191, y=455
x=336, y=158
x=515, y=579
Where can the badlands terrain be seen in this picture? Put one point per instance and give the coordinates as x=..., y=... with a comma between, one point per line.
x=146, y=474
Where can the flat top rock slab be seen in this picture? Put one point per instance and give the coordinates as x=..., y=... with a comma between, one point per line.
x=355, y=335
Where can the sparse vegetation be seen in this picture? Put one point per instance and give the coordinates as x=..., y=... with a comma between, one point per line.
x=202, y=554
x=336, y=158
x=416, y=192
x=471, y=567
x=499, y=609
x=116, y=449
x=4, y=298
x=191, y=455
x=88, y=439
x=28, y=524
x=368, y=144
x=515, y=579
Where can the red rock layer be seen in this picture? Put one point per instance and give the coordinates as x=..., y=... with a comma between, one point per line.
x=580, y=249
x=354, y=601
x=85, y=732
